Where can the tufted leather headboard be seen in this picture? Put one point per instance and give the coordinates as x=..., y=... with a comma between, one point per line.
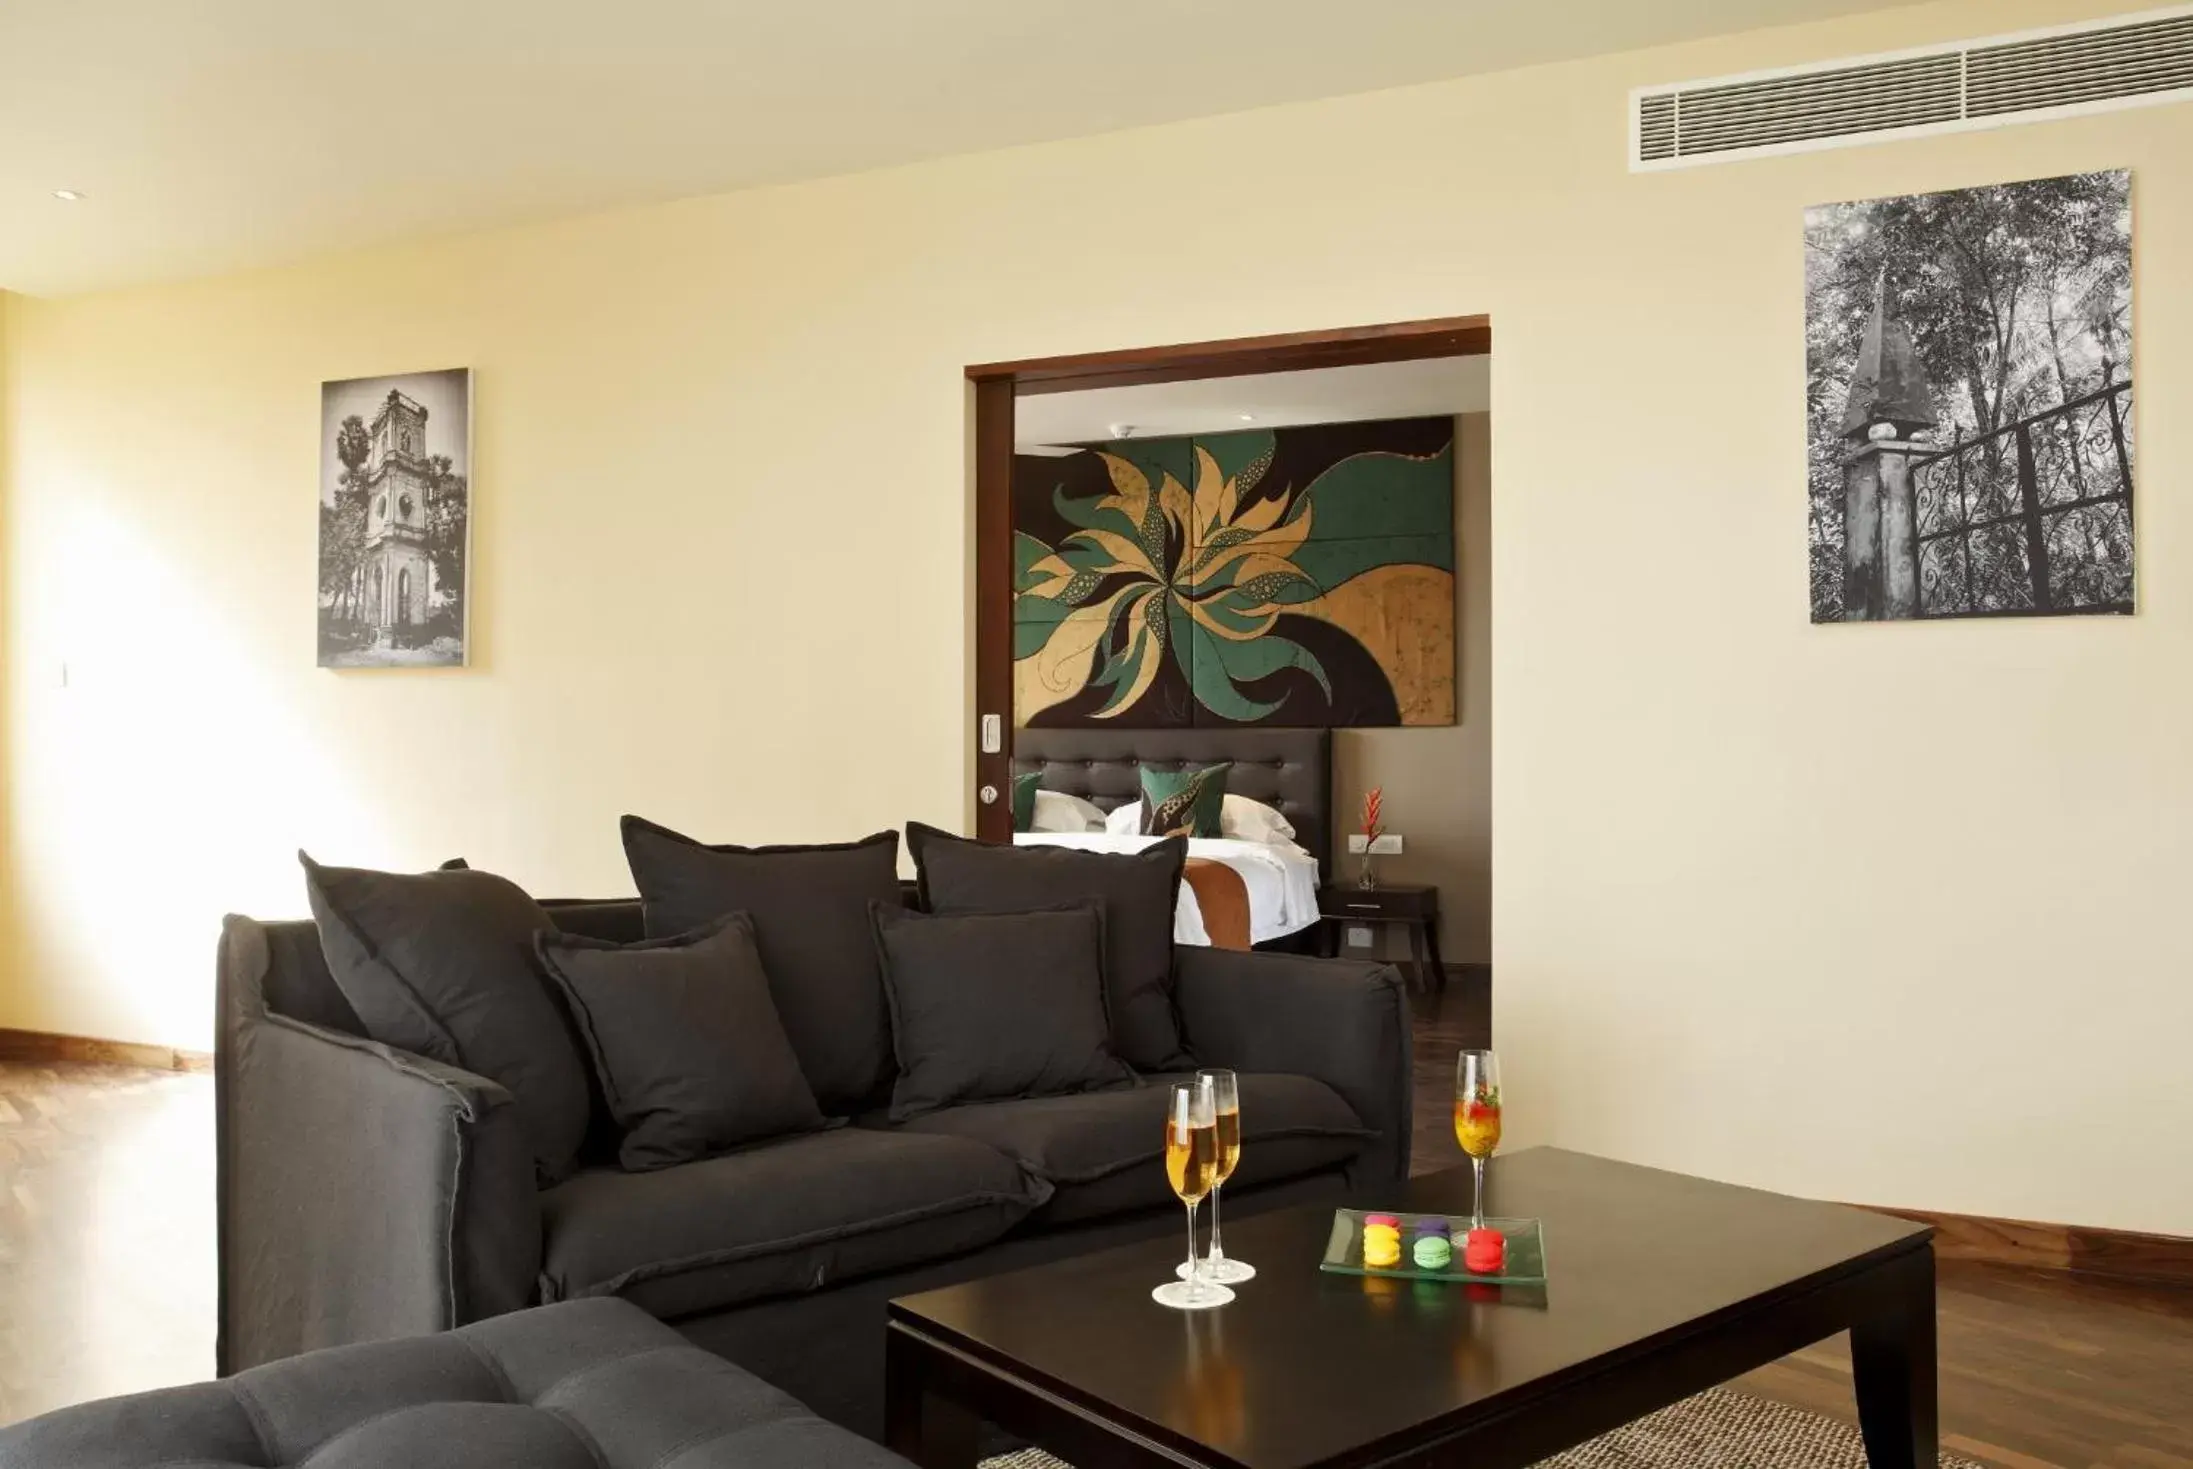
x=1291, y=769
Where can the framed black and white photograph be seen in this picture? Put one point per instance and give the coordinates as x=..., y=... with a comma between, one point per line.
x=1969, y=402
x=395, y=519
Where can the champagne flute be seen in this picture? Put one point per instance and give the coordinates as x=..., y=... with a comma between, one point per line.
x=1191, y=1166
x=1477, y=1115
x=1226, y=1099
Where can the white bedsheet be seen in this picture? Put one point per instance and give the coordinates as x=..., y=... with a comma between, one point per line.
x=1280, y=876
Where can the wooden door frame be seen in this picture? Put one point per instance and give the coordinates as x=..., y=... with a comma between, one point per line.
x=997, y=384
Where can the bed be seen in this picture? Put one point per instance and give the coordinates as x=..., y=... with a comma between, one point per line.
x=1289, y=770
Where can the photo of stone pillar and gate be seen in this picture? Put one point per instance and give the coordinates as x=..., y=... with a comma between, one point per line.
x=1969, y=402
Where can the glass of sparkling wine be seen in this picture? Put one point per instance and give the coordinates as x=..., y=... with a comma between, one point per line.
x=1191, y=1166
x=1477, y=1115
x=1226, y=1098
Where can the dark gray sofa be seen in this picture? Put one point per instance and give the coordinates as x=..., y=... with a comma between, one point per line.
x=583, y=1385
x=367, y=1193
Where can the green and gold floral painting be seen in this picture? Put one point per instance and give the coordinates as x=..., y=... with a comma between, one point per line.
x=1293, y=576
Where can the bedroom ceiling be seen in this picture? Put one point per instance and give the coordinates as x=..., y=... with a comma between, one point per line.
x=1267, y=400
x=222, y=134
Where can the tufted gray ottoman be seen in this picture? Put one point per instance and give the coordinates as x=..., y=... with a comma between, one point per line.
x=592, y=1384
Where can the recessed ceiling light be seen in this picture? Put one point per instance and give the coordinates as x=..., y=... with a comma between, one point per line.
x=71, y=195
x=1248, y=418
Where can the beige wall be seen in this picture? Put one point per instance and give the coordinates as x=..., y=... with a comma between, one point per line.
x=1438, y=780
x=10, y=980
x=722, y=563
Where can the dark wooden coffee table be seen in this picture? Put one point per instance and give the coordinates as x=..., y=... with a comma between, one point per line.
x=1661, y=1285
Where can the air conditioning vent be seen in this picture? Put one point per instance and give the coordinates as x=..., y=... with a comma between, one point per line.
x=1656, y=126
x=2123, y=63
x=2131, y=62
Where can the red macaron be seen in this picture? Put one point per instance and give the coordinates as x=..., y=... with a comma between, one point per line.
x=1485, y=1252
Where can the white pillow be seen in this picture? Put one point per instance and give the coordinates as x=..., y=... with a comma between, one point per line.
x=1239, y=817
x=1252, y=821
x=1058, y=812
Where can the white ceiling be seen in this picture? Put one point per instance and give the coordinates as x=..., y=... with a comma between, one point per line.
x=1267, y=400
x=209, y=135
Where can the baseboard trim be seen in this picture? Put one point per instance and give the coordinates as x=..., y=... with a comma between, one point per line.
x=45, y=1048
x=2072, y=1249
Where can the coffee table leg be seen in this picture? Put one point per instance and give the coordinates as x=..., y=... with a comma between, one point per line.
x=918, y=1424
x=1892, y=1360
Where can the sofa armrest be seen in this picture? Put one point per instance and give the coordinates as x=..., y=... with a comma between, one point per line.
x=364, y=1192
x=1341, y=1021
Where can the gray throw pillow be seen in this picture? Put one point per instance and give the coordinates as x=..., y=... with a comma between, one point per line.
x=691, y=1056
x=810, y=910
x=993, y=1005
x=1137, y=891
x=441, y=964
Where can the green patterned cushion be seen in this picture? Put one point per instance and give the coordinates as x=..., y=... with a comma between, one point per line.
x=1024, y=799
x=1183, y=802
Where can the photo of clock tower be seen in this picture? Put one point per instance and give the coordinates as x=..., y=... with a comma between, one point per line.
x=395, y=520
x=398, y=572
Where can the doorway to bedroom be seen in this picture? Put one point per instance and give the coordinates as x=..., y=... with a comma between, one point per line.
x=1270, y=557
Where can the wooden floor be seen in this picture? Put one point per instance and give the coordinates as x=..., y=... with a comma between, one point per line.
x=2038, y=1370
x=106, y=1232
x=106, y=1277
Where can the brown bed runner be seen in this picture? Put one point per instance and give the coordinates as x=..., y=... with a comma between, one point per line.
x=1224, y=899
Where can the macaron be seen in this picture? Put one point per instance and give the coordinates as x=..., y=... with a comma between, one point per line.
x=1381, y=1221
x=1381, y=1245
x=1433, y=1252
x=1431, y=1225
x=1485, y=1252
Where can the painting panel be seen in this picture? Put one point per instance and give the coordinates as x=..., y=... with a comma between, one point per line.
x=1296, y=576
x=1969, y=402
x=395, y=520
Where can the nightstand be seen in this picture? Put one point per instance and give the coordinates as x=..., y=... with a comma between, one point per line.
x=1414, y=907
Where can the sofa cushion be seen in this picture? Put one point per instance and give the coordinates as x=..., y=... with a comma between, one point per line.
x=784, y=1216
x=585, y=1385
x=1138, y=891
x=685, y=1040
x=988, y=1005
x=1103, y=1153
x=441, y=964
x=810, y=911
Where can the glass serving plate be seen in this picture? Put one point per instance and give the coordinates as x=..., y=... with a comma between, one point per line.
x=1525, y=1263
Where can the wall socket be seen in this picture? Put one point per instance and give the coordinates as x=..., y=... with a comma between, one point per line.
x=1358, y=936
x=1388, y=844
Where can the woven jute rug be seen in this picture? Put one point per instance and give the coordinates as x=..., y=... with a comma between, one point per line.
x=1715, y=1430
